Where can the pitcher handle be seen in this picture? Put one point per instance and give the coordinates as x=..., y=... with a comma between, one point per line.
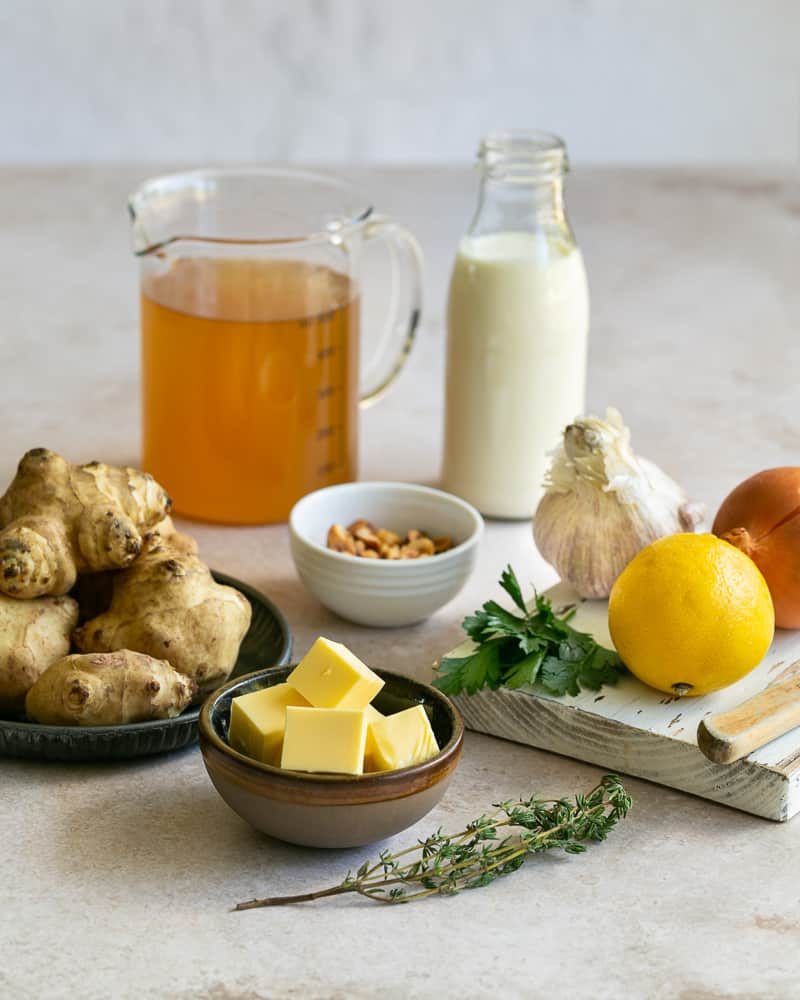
x=405, y=305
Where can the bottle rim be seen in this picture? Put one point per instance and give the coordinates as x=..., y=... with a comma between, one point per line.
x=523, y=153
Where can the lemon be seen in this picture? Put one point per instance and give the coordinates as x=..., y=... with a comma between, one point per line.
x=690, y=614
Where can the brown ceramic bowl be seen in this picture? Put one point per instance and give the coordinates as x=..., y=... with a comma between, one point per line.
x=330, y=810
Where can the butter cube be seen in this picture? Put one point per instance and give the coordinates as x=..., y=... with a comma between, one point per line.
x=401, y=740
x=330, y=676
x=373, y=715
x=258, y=720
x=325, y=739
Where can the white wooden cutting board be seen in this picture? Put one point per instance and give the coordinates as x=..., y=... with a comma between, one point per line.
x=633, y=729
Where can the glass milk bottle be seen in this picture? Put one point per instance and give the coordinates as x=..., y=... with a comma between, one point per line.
x=517, y=325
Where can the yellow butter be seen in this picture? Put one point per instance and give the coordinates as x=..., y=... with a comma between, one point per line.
x=258, y=720
x=330, y=676
x=401, y=740
x=373, y=715
x=325, y=739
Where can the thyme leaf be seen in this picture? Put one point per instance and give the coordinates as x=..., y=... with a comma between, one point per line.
x=491, y=846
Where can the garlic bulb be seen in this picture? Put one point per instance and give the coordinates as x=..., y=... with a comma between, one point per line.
x=602, y=504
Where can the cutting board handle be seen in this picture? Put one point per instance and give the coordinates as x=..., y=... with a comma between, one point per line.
x=729, y=736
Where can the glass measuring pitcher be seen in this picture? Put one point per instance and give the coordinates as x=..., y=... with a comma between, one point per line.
x=250, y=335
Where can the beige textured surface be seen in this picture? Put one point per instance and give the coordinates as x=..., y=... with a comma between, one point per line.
x=117, y=878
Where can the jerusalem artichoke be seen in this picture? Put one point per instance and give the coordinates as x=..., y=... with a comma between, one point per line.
x=108, y=689
x=168, y=605
x=59, y=520
x=165, y=536
x=93, y=591
x=33, y=634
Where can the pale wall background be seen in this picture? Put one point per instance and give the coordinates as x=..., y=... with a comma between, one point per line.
x=397, y=81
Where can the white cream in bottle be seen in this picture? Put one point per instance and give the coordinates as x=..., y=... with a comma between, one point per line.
x=517, y=321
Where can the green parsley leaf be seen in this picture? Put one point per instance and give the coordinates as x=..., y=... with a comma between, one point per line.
x=559, y=677
x=510, y=584
x=471, y=673
x=538, y=648
x=525, y=672
x=493, y=619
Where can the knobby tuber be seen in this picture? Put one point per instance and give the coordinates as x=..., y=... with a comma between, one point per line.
x=165, y=537
x=93, y=591
x=59, y=519
x=33, y=634
x=168, y=605
x=107, y=689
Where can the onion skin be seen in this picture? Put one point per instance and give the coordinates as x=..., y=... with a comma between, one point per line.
x=762, y=518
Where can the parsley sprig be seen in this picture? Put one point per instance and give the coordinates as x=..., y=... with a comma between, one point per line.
x=538, y=647
x=492, y=845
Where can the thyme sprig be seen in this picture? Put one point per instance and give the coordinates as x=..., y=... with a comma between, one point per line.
x=489, y=847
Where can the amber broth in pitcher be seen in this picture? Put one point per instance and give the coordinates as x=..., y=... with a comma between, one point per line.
x=262, y=355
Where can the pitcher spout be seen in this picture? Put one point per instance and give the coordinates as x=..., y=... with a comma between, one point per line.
x=243, y=206
x=168, y=209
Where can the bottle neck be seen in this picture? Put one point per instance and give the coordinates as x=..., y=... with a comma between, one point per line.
x=519, y=205
x=522, y=184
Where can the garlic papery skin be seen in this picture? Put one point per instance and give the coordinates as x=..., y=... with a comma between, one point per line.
x=603, y=504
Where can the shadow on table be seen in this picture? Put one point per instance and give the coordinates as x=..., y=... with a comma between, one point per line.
x=147, y=836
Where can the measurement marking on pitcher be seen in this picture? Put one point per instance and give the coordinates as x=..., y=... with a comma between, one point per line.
x=329, y=434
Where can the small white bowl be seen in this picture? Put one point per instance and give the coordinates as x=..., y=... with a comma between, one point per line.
x=384, y=592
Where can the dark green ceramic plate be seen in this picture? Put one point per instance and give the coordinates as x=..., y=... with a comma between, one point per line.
x=268, y=643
